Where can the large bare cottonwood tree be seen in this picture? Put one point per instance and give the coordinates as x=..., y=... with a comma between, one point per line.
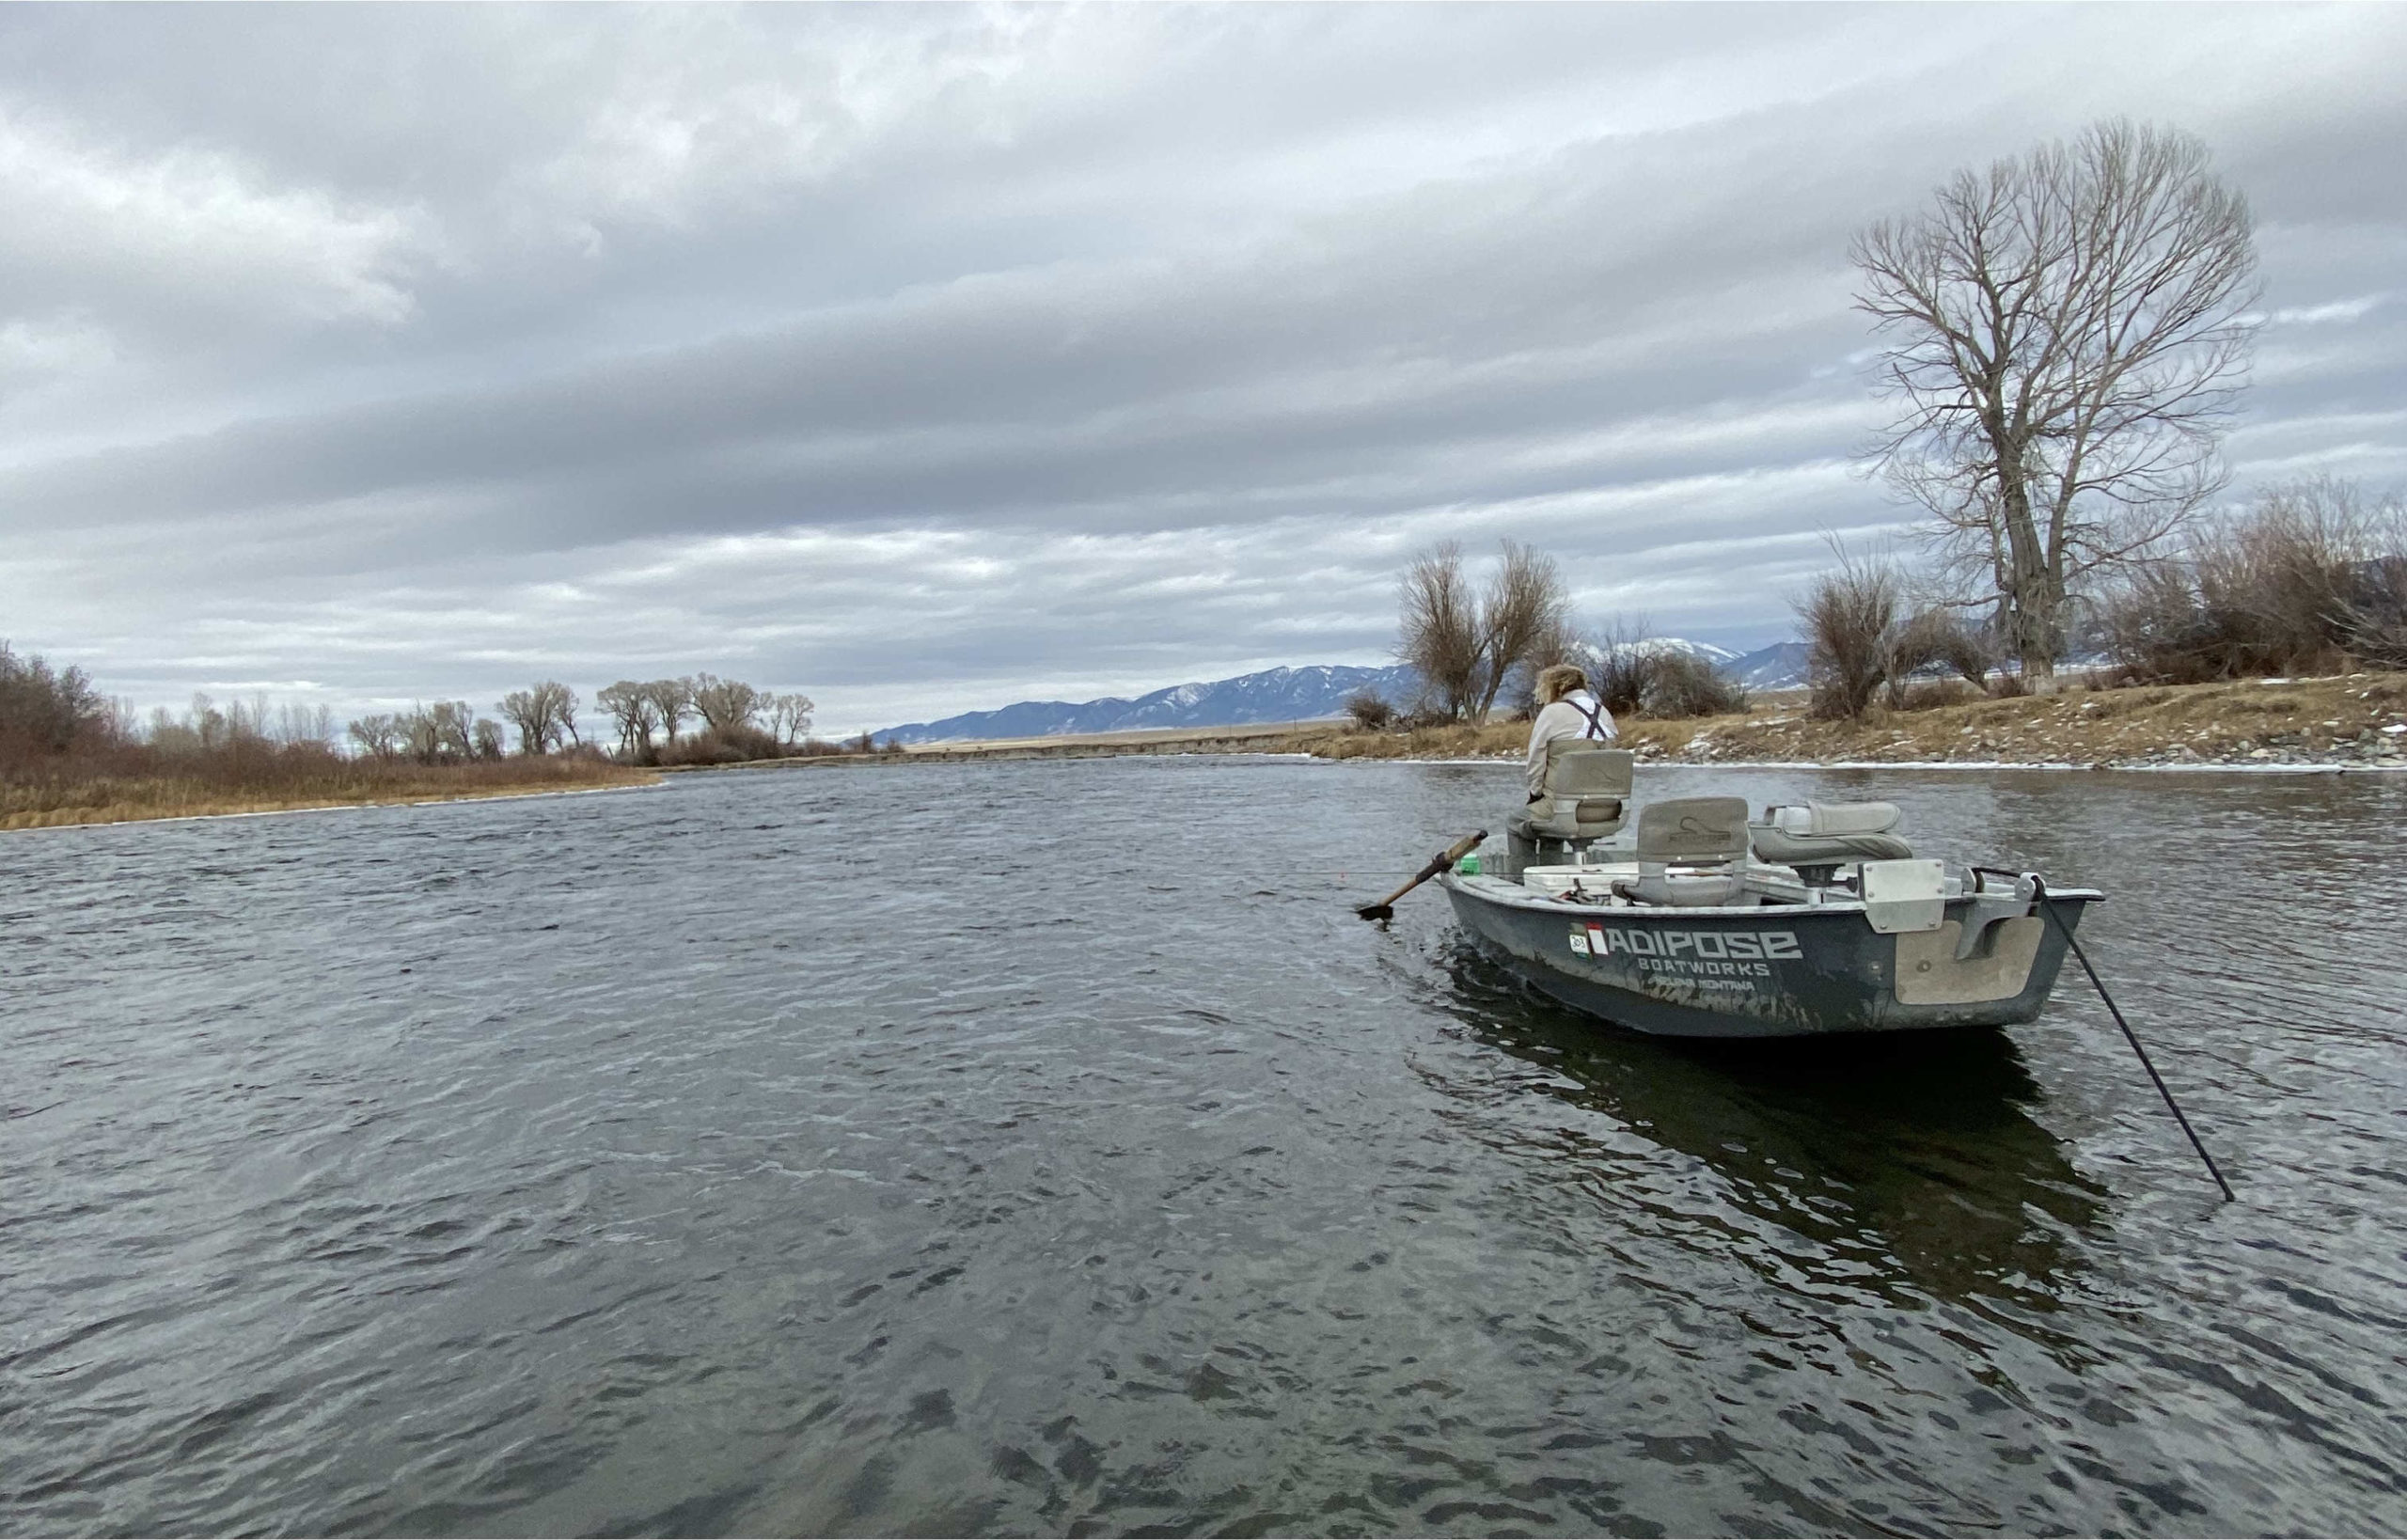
x=726, y=705
x=635, y=713
x=545, y=715
x=2067, y=333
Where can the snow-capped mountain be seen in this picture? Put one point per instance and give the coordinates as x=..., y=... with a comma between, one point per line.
x=1720, y=657
x=1274, y=694
x=1287, y=695
x=1779, y=667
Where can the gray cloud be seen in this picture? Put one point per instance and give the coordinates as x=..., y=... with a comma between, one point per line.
x=924, y=358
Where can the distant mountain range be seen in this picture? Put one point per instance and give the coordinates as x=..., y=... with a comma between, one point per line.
x=1275, y=695
x=1779, y=667
x=1281, y=695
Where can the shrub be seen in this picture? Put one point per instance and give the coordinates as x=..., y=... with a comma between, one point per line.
x=1681, y=684
x=1850, y=615
x=731, y=744
x=2307, y=577
x=1935, y=639
x=1622, y=666
x=1370, y=711
x=42, y=710
x=1929, y=695
x=2373, y=610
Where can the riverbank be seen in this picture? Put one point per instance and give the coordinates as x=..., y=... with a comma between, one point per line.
x=2355, y=720
x=68, y=796
x=1243, y=738
x=2351, y=721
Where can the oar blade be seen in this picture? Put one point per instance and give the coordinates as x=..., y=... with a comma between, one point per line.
x=1385, y=909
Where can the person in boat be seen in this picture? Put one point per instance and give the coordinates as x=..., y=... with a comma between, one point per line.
x=1567, y=709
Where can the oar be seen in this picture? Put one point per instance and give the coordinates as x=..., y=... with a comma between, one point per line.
x=1385, y=909
x=2048, y=907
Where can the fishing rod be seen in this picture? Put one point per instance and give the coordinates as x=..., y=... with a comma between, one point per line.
x=2047, y=907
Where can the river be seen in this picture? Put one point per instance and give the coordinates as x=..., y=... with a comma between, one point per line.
x=1046, y=1148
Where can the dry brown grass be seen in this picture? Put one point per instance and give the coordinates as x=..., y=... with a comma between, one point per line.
x=2314, y=720
x=69, y=792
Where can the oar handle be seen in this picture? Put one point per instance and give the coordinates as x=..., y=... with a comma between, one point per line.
x=1437, y=863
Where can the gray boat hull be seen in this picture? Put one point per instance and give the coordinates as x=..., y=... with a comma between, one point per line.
x=1787, y=971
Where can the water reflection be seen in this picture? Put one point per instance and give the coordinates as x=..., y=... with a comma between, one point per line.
x=1910, y=1164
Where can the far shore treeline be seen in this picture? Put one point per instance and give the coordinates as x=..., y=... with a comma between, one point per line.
x=69, y=754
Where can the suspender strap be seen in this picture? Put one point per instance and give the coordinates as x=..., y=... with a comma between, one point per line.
x=1596, y=728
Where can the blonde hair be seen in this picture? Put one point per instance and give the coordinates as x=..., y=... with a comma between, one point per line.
x=1559, y=680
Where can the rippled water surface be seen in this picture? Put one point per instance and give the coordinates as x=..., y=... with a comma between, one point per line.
x=1046, y=1148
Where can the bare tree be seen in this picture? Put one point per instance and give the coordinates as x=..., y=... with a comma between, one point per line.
x=532, y=719
x=545, y=715
x=565, y=705
x=726, y=705
x=635, y=713
x=305, y=726
x=488, y=739
x=379, y=736
x=789, y=717
x=455, y=729
x=673, y=700
x=421, y=739
x=1465, y=645
x=1438, y=629
x=208, y=723
x=2070, y=330
x=1526, y=612
x=250, y=721
x=440, y=733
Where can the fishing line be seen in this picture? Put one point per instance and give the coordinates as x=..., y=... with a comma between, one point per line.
x=2048, y=907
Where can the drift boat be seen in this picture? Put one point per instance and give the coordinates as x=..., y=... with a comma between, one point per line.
x=1700, y=922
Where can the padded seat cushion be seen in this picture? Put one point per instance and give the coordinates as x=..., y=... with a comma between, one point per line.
x=1836, y=818
x=1786, y=849
x=1585, y=818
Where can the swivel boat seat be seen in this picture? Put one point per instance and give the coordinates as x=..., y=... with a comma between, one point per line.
x=1707, y=838
x=1820, y=837
x=1583, y=797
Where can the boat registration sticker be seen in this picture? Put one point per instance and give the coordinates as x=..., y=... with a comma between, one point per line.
x=1589, y=941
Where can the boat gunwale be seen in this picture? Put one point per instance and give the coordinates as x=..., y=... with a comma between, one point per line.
x=1544, y=903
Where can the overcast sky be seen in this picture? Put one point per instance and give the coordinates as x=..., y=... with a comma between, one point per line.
x=931, y=359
